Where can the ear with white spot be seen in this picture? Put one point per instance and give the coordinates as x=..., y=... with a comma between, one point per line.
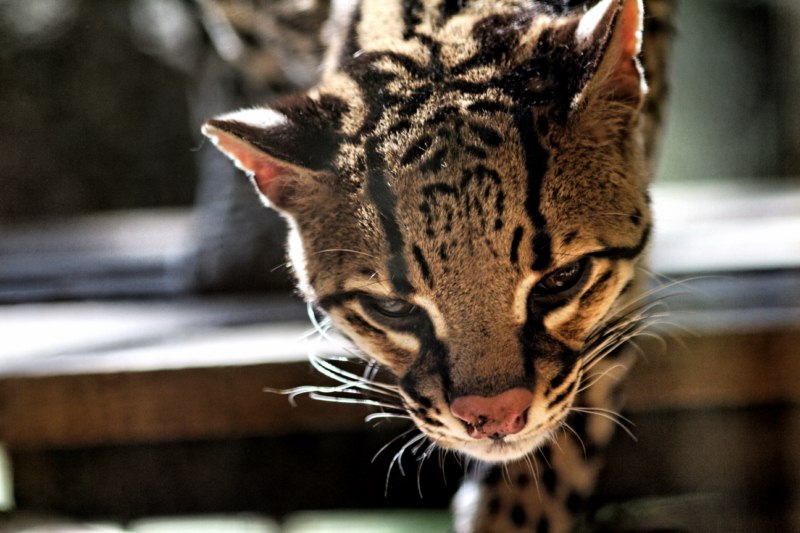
x=615, y=26
x=283, y=149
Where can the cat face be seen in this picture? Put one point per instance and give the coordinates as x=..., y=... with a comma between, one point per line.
x=472, y=241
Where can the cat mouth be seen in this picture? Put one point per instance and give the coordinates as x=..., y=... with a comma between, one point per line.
x=502, y=449
x=493, y=447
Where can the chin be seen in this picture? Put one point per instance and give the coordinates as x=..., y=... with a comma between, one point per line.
x=502, y=450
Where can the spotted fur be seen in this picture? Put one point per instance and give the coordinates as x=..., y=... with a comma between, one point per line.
x=467, y=190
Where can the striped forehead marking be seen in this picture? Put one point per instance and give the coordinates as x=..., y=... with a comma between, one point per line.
x=385, y=202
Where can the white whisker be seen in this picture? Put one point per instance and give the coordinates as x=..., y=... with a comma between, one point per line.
x=594, y=378
x=380, y=416
x=608, y=414
x=420, y=460
x=356, y=401
x=345, y=250
x=395, y=439
x=577, y=436
x=398, y=459
x=533, y=468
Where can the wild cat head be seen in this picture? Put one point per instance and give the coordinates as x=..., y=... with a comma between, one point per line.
x=467, y=199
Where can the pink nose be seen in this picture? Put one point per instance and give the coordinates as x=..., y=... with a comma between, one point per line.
x=494, y=416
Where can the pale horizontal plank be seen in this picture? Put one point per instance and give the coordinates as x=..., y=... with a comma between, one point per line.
x=722, y=227
x=119, y=336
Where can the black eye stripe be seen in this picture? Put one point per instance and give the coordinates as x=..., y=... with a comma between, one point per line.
x=361, y=325
x=622, y=253
x=598, y=285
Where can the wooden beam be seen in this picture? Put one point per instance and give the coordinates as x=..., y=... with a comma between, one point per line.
x=227, y=399
x=162, y=406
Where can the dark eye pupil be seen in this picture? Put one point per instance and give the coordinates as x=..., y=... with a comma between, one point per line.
x=394, y=307
x=560, y=280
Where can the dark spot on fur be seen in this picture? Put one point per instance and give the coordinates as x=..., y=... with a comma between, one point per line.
x=515, y=240
x=543, y=526
x=400, y=125
x=578, y=424
x=431, y=421
x=423, y=265
x=549, y=479
x=442, y=114
x=411, y=17
x=569, y=237
x=500, y=202
x=518, y=515
x=523, y=480
x=493, y=506
x=450, y=8
x=434, y=162
x=547, y=454
x=487, y=135
x=574, y=502
x=475, y=151
x=425, y=402
x=416, y=151
x=591, y=451
x=487, y=106
x=493, y=476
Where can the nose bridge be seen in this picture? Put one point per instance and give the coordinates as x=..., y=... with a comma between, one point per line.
x=486, y=356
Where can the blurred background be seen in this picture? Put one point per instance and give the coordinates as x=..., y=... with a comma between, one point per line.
x=145, y=302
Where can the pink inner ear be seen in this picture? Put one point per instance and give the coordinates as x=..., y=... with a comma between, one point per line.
x=629, y=28
x=271, y=178
x=624, y=78
x=629, y=34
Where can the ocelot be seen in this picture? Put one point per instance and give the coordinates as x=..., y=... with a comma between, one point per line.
x=467, y=192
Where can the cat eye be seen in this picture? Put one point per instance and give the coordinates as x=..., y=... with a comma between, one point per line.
x=390, y=307
x=562, y=280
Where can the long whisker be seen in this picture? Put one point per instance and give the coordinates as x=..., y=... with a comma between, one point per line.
x=344, y=250
x=594, y=378
x=608, y=414
x=533, y=468
x=398, y=459
x=356, y=401
x=380, y=416
x=343, y=376
x=395, y=439
x=577, y=436
x=420, y=460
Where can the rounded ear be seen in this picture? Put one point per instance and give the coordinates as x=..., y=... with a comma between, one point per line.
x=232, y=134
x=614, y=28
x=282, y=148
